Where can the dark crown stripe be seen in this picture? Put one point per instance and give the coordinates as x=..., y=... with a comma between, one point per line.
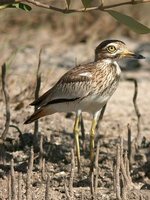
x=106, y=42
x=55, y=101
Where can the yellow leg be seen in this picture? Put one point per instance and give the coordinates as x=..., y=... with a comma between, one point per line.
x=92, y=135
x=76, y=135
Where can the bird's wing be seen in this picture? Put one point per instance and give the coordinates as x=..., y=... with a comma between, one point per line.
x=75, y=84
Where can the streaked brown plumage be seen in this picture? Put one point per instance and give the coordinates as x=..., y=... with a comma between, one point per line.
x=86, y=88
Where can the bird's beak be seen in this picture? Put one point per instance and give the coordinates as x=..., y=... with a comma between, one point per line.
x=129, y=54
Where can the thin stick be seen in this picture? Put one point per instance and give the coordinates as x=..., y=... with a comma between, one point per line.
x=6, y=95
x=101, y=7
x=92, y=186
x=47, y=197
x=117, y=174
x=20, y=186
x=67, y=11
x=137, y=111
x=29, y=176
x=126, y=161
x=67, y=192
x=129, y=145
x=72, y=174
x=13, y=181
x=122, y=163
x=38, y=85
x=41, y=151
x=43, y=169
x=20, y=133
x=136, y=108
x=96, y=166
x=9, y=187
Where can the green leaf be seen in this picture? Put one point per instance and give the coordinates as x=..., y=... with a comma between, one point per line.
x=130, y=22
x=21, y=6
x=86, y=3
x=68, y=3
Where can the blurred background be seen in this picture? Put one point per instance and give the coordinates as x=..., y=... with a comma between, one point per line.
x=41, y=26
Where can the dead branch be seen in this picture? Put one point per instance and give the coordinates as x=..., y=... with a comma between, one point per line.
x=117, y=174
x=101, y=7
x=43, y=169
x=20, y=186
x=72, y=174
x=29, y=176
x=47, y=197
x=41, y=151
x=13, y=181
x=126, y=161
x=137, y=139
x=92, y=185
x=6, y=95
x=123, y=181
x=123, y=169
x=9, y=186
x=96, y=166
x=37, y=89
x=129, y=146
x=42, y=159
x=67, y=192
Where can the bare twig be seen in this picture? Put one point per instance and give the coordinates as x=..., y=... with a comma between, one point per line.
x=29, y=175
x=67, y=192
x=42, y=159
x=20, y=133
x=6, y=95
x=137, y=139
x=126, y=161
x=129, y=145
x=38, y=84
x=96, y=166
x=123, y=181
x=67, y=11
x=19, y=186
x=92, y=185
x=43, y=169
x=72, y=174
x=13, y=181
x=47, y=196
x=9, y=186
x=117, y=174
x=101, y=7
x=41, y=151
x=123, y=170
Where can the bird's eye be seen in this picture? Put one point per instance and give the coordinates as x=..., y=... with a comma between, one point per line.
x=111, y=49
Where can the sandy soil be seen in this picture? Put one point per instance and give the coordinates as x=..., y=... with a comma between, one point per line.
x=57, y=58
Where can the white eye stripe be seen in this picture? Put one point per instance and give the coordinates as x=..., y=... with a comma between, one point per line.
x=112, y=44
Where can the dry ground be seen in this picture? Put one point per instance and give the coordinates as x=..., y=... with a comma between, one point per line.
x=57, y=58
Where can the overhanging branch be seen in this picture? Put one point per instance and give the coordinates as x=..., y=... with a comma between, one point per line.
x=101, y=7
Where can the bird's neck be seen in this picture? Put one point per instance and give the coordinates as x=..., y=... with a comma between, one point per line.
x=112, y=64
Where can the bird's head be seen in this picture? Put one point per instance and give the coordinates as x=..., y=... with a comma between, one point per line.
x=114, y=50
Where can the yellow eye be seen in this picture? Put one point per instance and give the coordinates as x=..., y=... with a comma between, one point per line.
x=111, y=49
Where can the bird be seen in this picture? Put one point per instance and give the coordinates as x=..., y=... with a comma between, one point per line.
x=85, y=88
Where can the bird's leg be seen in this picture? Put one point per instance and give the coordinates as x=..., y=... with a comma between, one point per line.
x=76, y=136
x=82, y=131
x=92, y=134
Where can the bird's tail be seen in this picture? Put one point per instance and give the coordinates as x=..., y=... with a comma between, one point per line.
x=38, y=114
